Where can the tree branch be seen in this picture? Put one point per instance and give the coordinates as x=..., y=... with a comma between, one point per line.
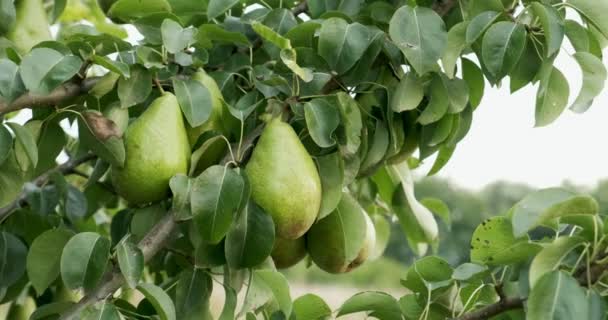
x=113, y=279
x=443, y=7
x=64, y=168
x=64, y=92
x=494, y=309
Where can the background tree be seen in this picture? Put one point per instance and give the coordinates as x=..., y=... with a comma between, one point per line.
x=234, y=128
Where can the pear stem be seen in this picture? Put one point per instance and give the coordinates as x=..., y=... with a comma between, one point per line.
x=159, y=86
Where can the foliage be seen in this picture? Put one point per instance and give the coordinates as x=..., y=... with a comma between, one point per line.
x=356, y=87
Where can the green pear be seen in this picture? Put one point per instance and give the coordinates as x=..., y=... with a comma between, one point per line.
x=31, y=25
x=156, y=147
x=22, y=311
x=220, y=119
x=343, y=240
x=288, y=252
x=284, y=180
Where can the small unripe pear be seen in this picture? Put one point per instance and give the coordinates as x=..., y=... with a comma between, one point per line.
x=288, y=252
x=31, y=25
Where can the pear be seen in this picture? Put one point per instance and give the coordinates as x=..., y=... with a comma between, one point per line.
x=31, y=25
x=284, y=180
x=344, y=239
x=156, y=147
x=22, y=311
x=288, y=252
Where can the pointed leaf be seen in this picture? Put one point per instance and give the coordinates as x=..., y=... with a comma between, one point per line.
x=26, y=144
x=250, y=240
x=194, y=99
x=11, y=85
x=456, y=44
x=552, y=256
x=594, y=79
x=553, y=26
x=408, y=94
x=44, y=69
x=502, y=46
x=217, y=7
x=130, y=261
x=322, y=119
x=83, y=260
x=342, y=44
x=44, y=257
x=192, y=294
x=159, y=299
x=13, y=255
x=136, y=88
x=331, y=171
x=380, y=305
x=594, y=11
x=479, y=25
x=557, y=296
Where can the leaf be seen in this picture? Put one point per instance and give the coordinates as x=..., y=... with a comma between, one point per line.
x=43, y=69
x=331, y=171
x=217, y=7
x=58, y=8
x=408, y=94
x=475, y=81
x=84, y=260
x=420, y=34
x=7, y=15
x=117, y=67
x=13, y=255
x=6, y=143
x=551, y=257
x=444, y=155
x=553, y=26
x=106, y=311
x=74, y=203
x=342, y=44
x=194, y=99
x=180, y=188
x=130, y=261
x=493, y=243
x=577, y=35
x=380, y=305
x=215, y=198
x=383, y=234
x=288, y=56
x=350, y=123
x=159, y=299
x=526, y=70
x=111, y=150
x=458, y=93
x=278, y=286
x=11, y=85
x=502, y=46
x=26, y=145
x=44, y=257
x=427, y=273
x=245, y=105
x=455, y=45
x=479, y=25
x=557, y=296
x=312, y=307
x=543, y=205
x=322, y=119
x=271, y=36
x=468, y=271
x=192, y=294
x=595, y=12
x=594, y=79
x=230, y=301
x=251, y=239
x=552, y=96
x=438, y=104
x=439, y=208
x=51, y=309
x=213, y=32
x=136, y=88
x=175, y=38
x=133, y=9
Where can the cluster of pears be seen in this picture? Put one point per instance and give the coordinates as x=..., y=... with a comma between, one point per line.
x=283, y=177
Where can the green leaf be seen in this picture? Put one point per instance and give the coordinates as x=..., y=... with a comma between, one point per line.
x=350, y=123
x=420, y=34
x=6, y=143
x=215, y=199
x=526, y=70
x=130, y=260
x=180, y=188
x=331, y=171
x=84, y=260
x=444, y=155
x=551, y=257
x=136, y=88
x=542, y=206
x=106, y=311
x=427, y=273
x=438, y=104
x=380, y=305
x=458, y=93
x=493, y=243
x=322, y=119
x=11, y=85
x=192, y=294
x=552, y=95
x=456, y=44
x=439, y=208
x=230, y=301
x=194, y=99
x=557, y=296
x=250, y=240
x=288, y=56
x=553, y=26
x=217, y=7
x=312, y=307
x=13, y=255
x=7, y=15
x=44, y=257
x=578, y=36
x=245, y=105
x=594, y=79
x=278, y=286
x=159, y=299
x=383, y=235
x=479, y=25
x=468, y=271
x=596, y=12
x=473, y=76
x=502, y=46
x=342, y=44
x=271, y=36
x=26, y=146
x=52, y=309
x=213, y=32
x=133, y=9
x=74, y=203
x=112, y=150
x=44, y=69
x=408, y=94
x=117, y=67
x=175, y=38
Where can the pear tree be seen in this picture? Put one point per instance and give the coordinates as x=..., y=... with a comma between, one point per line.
x=154, y=151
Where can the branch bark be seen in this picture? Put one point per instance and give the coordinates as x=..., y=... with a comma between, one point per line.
x=494, y=309
x=64, y=169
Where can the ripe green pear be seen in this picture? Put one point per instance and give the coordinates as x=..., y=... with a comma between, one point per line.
x=284, y=180
x=31, y=25
x=22, y=311
x=343, y=240
x=156, y=147
x=288, y=252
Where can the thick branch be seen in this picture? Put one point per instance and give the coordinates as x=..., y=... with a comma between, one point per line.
x=64, y=92
x=494, y=309
x=443, y=7
x=64, y=168
x=156, y=239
